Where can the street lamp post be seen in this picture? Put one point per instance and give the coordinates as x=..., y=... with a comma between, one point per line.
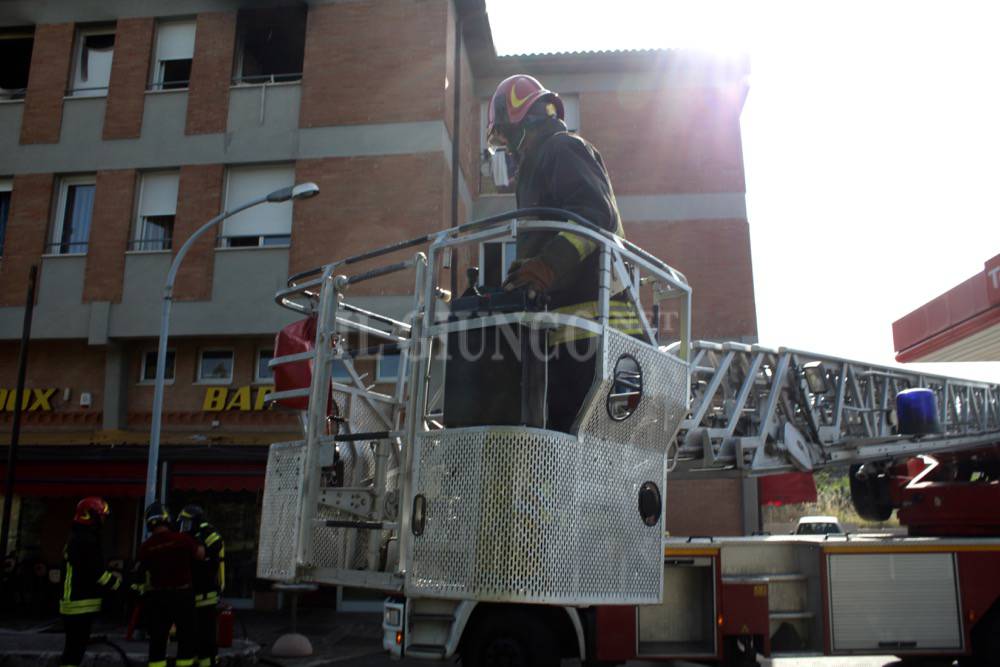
x=300, y=191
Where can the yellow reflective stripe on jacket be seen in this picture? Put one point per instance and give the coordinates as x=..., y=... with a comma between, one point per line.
x=72, y=607
x=212, y=539
x=184, y=662
x=206, y=599
x=583, y=245
x=68, y=584
x=157, y=663
x=621, y=316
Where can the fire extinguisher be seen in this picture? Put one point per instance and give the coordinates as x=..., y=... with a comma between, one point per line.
x=225, y=635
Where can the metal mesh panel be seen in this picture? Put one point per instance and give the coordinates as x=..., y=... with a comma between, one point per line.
x=519, y=514
x=282, y=506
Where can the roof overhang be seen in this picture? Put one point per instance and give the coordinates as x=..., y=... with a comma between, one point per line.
x=675, y=62
x=963, y=324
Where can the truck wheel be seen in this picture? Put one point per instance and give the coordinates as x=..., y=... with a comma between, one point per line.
x=741, y=652
x=870, y=496
x=506, y=640
x=986, y=639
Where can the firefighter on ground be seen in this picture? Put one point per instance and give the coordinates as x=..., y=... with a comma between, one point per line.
x=165, y=566
x=209, y=579
x=86, y=579
x=558, y=169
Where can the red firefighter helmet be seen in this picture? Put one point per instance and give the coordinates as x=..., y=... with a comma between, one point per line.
x=91, y=510
x=512, y=101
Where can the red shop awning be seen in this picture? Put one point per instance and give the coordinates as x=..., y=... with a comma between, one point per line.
x=217, y=475
x=108, y=479
x=786, y=488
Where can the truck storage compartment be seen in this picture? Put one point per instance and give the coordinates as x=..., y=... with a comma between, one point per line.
x=684, y=623
x=893, y=602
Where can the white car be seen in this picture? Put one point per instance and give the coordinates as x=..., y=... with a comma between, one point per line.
x=819, y=525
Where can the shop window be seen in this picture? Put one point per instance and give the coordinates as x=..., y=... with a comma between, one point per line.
x=74, y=210
x=262, y=372
x=15, y=54
x=154, y=225
x=5, y=188
x=95, y=49
x=148, y=371
x=174, y=52
x=270, y=45
x=387, y=368
x=215, y=366
x=495, y=258
x=265, y=225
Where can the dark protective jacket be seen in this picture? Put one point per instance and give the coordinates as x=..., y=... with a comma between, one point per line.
x=563, y=170
x=166, y=561
x=209, y=574
x=86, y=579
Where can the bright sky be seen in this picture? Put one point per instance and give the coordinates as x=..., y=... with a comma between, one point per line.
x=871, y=139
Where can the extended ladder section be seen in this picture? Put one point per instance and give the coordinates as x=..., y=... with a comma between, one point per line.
x=757, y=410
x=454, y=485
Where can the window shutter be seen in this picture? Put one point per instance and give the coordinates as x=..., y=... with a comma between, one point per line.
x=175, y=41
x=159, y=194
x=248, y=183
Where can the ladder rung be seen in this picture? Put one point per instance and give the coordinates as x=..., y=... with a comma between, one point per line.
x=764, y=578
x=289, y=358
x=427, y=648
x=435, y=618
x=790, y=615
x=370, y=435
x=288, y=393
x=364, y=525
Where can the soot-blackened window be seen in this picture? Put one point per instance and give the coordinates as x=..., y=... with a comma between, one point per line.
x=270, y=45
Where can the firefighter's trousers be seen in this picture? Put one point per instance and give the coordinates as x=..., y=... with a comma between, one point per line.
x=163, y=609
x=206, y=624
x=571, y=373
x=77, y=627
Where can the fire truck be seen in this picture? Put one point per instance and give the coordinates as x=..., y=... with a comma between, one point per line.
x=503, y=541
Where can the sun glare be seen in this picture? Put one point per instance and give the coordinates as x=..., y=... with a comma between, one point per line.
x=869, y=144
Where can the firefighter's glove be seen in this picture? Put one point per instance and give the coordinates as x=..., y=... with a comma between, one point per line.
x=531, y=274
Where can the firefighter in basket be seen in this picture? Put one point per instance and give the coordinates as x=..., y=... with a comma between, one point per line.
x=559, y=169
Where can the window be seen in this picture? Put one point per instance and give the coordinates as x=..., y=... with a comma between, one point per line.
x=148, y=371
x=340, y=372
x=15, y=54
x=95, y=48
x=71, y=228
x=387, y=368
x=154, y=226
x=174, y=52
x=270, y=45
x=571, y=112
x=5, y=187
x=495, y=258
x=264, y=225
x=263, y=373
x=215, y=366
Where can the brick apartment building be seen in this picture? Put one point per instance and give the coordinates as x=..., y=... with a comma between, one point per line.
x=123, y=130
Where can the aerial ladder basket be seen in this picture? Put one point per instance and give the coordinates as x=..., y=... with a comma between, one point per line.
x=452, y=484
